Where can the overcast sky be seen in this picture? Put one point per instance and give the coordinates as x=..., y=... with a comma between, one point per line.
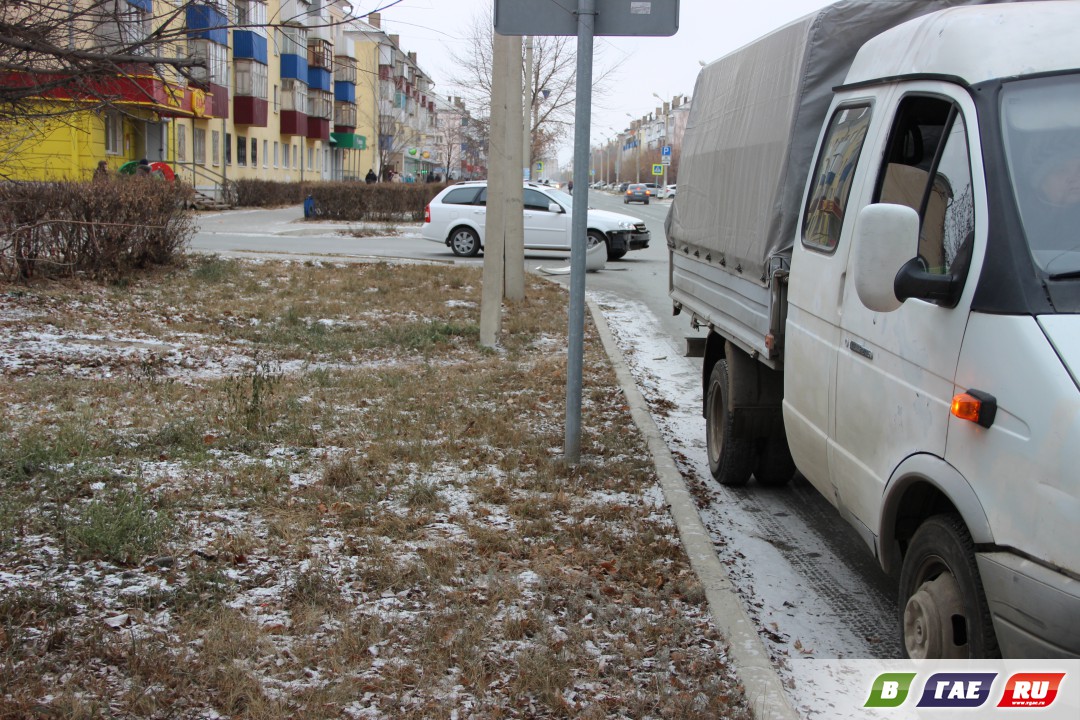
x=667, y=66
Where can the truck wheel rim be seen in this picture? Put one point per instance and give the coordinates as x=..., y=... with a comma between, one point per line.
x=930, y=618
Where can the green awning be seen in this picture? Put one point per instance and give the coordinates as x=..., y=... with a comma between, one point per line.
x=349, y=141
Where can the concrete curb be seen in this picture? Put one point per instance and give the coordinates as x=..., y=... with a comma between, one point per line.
x=763, y=686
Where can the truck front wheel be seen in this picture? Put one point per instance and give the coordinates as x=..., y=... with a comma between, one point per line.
x=731, y=459
x=943, y=610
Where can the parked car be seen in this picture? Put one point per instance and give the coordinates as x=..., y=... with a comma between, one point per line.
x=623, y=186
x=653, y=188
x=668, y=192
x=636, y=192
x=456, y=217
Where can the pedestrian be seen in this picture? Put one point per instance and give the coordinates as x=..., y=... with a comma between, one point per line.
x=143, y=168
x=570, y=186
x=371, y=177
x=101, y=172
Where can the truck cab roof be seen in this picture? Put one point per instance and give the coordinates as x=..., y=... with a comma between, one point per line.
x=975, y=44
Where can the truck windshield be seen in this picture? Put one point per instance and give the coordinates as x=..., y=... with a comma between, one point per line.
x=1041, y=129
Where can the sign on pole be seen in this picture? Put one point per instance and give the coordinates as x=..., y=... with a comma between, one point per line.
x=628, y=18
x=665, y=155
x=658, y=169
x=585, y=19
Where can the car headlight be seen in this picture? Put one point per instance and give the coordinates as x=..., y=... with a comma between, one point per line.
x=626, y=225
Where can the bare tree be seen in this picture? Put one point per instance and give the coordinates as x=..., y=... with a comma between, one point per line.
x=549, y=90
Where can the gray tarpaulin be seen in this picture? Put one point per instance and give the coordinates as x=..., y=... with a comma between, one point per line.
x=753, y=125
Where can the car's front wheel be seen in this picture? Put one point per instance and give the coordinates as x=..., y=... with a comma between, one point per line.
x=464, y=242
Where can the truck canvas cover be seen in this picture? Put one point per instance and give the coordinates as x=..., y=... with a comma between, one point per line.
x=752, y=130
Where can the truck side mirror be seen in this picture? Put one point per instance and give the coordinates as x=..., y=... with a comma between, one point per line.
x=886, y=238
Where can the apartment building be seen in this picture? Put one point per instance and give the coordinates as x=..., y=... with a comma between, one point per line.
x=286, y=90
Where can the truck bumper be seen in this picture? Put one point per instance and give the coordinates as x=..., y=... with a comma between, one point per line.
x=1034, y=608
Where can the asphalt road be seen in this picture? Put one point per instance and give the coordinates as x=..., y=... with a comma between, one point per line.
x=825, y=556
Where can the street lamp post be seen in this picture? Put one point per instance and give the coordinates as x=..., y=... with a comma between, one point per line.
x=636, y=133
x=663, y=143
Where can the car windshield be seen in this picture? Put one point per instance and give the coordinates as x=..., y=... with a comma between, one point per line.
x=563, y=198
x=1041, y=129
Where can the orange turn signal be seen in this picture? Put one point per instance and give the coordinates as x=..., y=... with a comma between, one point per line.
x=975, y=406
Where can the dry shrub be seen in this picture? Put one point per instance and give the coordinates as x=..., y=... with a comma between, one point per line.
x=346, y=201
x=270, y=193
x=105, y=229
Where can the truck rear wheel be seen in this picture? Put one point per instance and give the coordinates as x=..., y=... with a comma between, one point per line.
x=731, y=459
x=943, y=610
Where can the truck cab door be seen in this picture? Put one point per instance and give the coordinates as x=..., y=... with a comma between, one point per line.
x=816, y=290
x=895, y=370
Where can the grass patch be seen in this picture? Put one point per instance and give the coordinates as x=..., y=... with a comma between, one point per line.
x=342, y=506
x=122, y=527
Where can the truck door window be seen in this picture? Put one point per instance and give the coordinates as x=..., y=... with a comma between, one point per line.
x=824, y=216
x=927, y=168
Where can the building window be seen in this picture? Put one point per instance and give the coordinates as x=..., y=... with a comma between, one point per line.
x=266, y=154
x=216, y=58
x=181, y=142
x=254, y=152
x=198, y=149
x=114, y=133
x=276, y=153
x=241, y=150
x=285, y=157
x=228, y=148
x=320, y=104
x=319, y=54
x=276, y=99
x=251, y=78
x=215, y=144
x=294, y=95
x=296, y=159
x=311, y=158
x=251, y=15
x=292, y=40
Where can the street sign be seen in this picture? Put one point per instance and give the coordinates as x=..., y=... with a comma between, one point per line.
x=628, y=18
x=665, y=151
x=658, y=169
x=539, y=167
x=665, y=160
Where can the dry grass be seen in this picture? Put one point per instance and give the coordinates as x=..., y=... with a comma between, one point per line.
x=279, y=490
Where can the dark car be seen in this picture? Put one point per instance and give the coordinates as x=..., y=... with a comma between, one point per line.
x=637, y=192
x=623, y=186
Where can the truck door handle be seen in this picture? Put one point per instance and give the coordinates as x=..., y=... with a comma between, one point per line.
x=860, y=350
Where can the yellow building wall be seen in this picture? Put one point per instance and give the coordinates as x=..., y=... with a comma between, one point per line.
x=67, y=147
x=70, y=148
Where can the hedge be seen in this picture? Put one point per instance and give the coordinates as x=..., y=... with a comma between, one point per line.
x=103, y=229
x=345, y=201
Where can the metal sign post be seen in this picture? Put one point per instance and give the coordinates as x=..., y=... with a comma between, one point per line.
x=584, y=18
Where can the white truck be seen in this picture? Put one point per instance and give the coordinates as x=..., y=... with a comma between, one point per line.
x=878, y=224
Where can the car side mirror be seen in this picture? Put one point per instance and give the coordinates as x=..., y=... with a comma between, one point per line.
x=886, y=238
x=555, y=208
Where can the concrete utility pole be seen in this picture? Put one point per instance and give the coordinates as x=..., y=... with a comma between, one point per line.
x=491, y=294
x=515, y=210
x=504, y=231
x=526, y=147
